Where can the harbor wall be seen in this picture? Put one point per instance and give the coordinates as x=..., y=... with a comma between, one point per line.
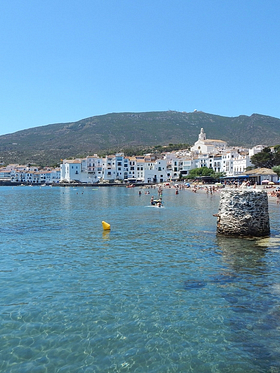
x=243, y=213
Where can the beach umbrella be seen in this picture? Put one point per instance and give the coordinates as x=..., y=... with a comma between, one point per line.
x=265, y=181
x=270, y=183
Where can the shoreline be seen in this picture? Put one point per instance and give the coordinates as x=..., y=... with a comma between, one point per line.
x=10, y=183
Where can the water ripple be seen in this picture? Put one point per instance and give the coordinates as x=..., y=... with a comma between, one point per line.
x=158, y=293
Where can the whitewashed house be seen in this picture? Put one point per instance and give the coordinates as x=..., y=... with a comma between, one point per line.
x=122, y=164
x=228, y=157
x=256, y=149
x=140, y=168
x=50, y=176
x=175, y=169
x=94, y=168
x=185, y=165
x=14, y=166
x=5, y=174
x=70, y=170
x=55, y=175
x=155, y=171
x=109, y=168
x=45, y=177
x=32, y=177
x=202, y=160
x=131, y=174
x=240, y=163
x=215, y=162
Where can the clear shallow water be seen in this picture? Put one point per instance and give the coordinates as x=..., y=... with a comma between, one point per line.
x=160, y=292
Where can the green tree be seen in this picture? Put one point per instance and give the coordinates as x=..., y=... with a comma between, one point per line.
x=201, y=171
x=218, y=175
x=263, y=159
x=277, y=170
x=276, y=154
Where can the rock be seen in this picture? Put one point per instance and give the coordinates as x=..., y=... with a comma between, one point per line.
x=243, y=213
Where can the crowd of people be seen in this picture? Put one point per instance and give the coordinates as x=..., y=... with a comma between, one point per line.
x=208, y=189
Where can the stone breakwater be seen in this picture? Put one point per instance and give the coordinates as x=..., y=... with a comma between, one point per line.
x=243, y=213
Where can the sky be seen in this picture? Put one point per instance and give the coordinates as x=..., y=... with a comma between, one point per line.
x=66, y=60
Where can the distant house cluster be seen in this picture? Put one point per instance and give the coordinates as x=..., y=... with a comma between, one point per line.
x=150, y=168
x=24, y=174
x=92, y=169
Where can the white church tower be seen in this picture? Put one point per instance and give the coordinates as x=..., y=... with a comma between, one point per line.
x=203, y=146
x=202, y=135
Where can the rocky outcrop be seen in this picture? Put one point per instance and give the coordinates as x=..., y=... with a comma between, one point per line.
x=243, y=213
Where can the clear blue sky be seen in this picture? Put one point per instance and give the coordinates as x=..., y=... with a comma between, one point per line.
x=65, y=60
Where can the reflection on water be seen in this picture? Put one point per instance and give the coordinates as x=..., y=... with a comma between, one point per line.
x=256, y=309
x=160, y=292
x=242, y=254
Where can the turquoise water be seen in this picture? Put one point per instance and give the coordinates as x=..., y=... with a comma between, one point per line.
x=160, y=292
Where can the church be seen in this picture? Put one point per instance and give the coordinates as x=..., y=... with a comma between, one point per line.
x=204, y=146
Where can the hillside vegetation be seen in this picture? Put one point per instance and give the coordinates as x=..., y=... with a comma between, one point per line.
x=46, y=145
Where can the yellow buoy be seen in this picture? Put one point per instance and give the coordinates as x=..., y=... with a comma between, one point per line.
x=106, y=226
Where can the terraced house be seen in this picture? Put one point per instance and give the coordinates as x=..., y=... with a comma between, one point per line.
x=146, y=169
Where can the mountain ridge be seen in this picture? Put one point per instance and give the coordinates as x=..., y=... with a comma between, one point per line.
x=105, y=133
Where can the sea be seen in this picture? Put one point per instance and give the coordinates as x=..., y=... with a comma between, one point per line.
x=158, y=293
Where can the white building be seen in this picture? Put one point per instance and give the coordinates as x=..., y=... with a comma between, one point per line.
x=241, y=163
x=32, y=177
x=208, y=153
x=131, y=175
x=204, y=146
x=122, y=164
x=5, y=174
x=185, y=165
x=215, y=162
x=70, y=170
x=256, y=149
x=109, y=168
x=94, y=168
x=227, y=161
x=155, y=171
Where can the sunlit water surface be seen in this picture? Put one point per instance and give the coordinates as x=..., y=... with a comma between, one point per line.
x=160, y=292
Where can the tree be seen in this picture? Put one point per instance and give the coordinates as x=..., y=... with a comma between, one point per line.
x=218, y=175
x=263, y=159
x=201, y=171
x=276, y=154
x=277, y=170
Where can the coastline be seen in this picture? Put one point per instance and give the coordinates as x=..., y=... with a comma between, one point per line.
x=10, y=183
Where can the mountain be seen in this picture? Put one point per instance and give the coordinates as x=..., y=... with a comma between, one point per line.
x=46, y=145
